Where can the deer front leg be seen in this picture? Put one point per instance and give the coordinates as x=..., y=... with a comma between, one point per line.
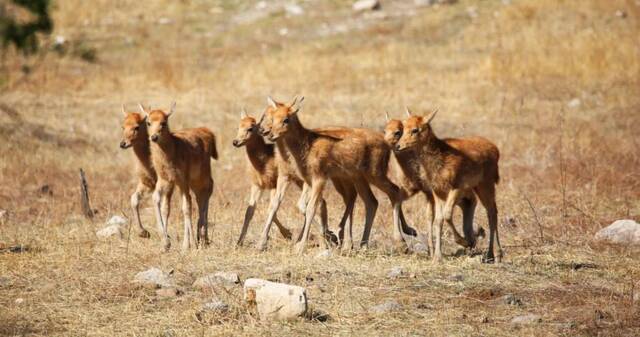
x=248, y=215
x=274, y=205
x=159, y=195
x=135, y=207
x=186, y=213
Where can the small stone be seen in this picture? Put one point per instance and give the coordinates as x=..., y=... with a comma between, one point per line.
x=456, y=278
x=283, y=31
x=293, y=9
x=215, y=306
x=366, y=5
x=396, y=272
x=165, y=21
x=155, y=278
x=3, y=214
x=511, y=299
x=226, y=279
x=620, y=232
x=19, y=301
x=388, y=306
x=277, y=301
x=472, y=11
x=621, y=14
x=574, y=103
x=109, y=231
x=168, y=292
x=117, y=221
x=424, y=2
x=527, y=319
x=420, y=248
x=325, y=254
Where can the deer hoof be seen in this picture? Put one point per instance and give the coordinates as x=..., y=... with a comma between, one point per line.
x=298, y=248
x=262, y=246
x=144, y=234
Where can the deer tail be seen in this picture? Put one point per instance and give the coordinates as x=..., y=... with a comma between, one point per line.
x=213, y=151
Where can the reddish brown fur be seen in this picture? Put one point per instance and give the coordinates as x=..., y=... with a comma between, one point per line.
x=356, y=156
x=407, y=171
x=134, y=134
x=452, y=166
x=182, y=158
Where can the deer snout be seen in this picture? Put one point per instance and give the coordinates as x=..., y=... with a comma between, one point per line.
x=154, y=137
x=124, y=145
x=236, y=143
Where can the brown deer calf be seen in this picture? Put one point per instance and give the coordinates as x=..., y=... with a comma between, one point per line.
x=451, y=167
x=356, y=156
x=409, y=174
x=181, y=158
x=134, y=134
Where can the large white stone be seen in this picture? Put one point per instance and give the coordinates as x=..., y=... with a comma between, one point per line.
x=366, y=5
x=220, y=278
x=109, y=231
x=154, y=277
x=117, y=220
x=277, y=301
x=621, y=232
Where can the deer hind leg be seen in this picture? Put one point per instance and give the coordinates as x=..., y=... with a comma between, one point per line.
x=248, y=214
x=348, y=193
x=406, y=228
x=161, y=201
x=468, y=206
x=393, y=192
x=486, y=192
x=437, y=225
x=141, y=190
x=317, y=186
x=284, y=231
x=276, y=199
x=429, y=214
x=202, y=199
x=371, y=207
x=324, y=217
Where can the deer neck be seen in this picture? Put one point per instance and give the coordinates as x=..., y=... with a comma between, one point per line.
x=258, y=152
x=298, y=140
x=142, y=154
x=164, y=150
x=433, y=151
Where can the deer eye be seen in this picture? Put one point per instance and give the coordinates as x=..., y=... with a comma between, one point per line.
x=397, y=133
x=163, y=124
x=136, y=128
x=285, y=121
x=148, y=123
x=250, y=129
x=415, y=131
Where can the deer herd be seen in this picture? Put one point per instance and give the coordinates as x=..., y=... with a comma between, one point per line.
x=405, y=159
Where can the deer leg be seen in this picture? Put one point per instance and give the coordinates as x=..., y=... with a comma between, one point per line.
x=348, y=193
x=437, y=224
x=447, y=214
x=406, y=228
x=393, y=192
x=468, y=206
x=317, y=186
x=284, y=231
x=159, y=195
x=487, y=195
x=202, y=199
x=430, y=212
x=186, y=213
x=248, y=214
x=276, y=200
x=135, y=206
x=370, y=206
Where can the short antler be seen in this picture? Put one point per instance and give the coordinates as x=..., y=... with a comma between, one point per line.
x=433, y=114
x=124, y=112
x=172, y=109
x=243, y=113
x=142, y=109
x=386, y=116
x=272, y=102
x=406, y=109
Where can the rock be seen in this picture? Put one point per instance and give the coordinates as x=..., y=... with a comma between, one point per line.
x=117, y=221
x=511, y=299
x=472, y=11
x=388, y=306
x=366, y=5
x=283, y=31
x=215, y=306
x=527, y=319
x=620, y=232
x=621, y=14
x=420, y=248
x=325, y=254
x=168, y=292
x=19, y=301
x=456, y=278
x=275, y=300
x=220, y=278
x=165, y=21
x=424, y=2
x=3, y=214
x=396, y=272
x=109, y=231
x=574, y=103
x=293, y=9
x=155, y=278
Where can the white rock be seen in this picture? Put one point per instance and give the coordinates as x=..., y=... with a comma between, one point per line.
x=215, y=305
x=217, y=279
x=276, y=300
x=396, y=272
x=109, y=231
x=472, y=11
x=19, y=301
x=294, y=9
x=325, y=254
x=261, y=5
x=527, y=319
x=424, y=2
x=390, y=305
x=366, y=5
x=117, y=220
x=621, y=232
x=283, y=31
x=574, y=103
x=165, y=21
x=154, y=277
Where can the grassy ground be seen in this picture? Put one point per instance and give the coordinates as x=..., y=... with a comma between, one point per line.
x=552, y=83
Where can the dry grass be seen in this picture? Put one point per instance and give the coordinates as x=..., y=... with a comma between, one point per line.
x=507, y=74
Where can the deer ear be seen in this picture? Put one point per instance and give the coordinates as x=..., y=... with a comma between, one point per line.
x=124, y=112
x=407, y=111
x=243, y=113
x=142, y=109
x=172, y=109
x=272, y=102
x=428, y=119
x=386, y=116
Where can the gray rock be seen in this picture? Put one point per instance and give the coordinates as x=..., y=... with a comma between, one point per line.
x=527, y=319
x=620, y=232
x=109, y=231
x=215, y=306
x=293, y=9
x=396, y=272
x=155, y=278
x=511, y=299
x=424, y=2
x=117, y=221
x=388, y=306
x=366, y=5
x=226, y=279
x=275, y=301
x=456, y=278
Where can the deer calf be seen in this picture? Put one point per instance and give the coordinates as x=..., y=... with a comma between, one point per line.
x=408, y=172
x=135, y=135
x=181, y=158
x=450, y=168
